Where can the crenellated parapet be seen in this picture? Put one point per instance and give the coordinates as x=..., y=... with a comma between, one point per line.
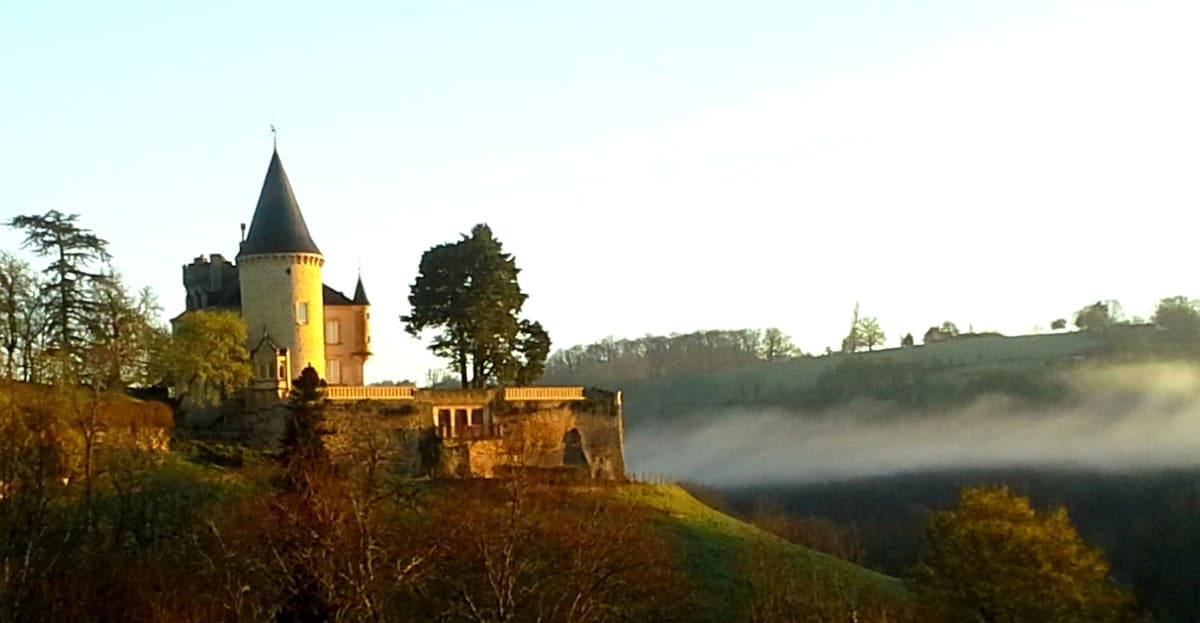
x=211, y=282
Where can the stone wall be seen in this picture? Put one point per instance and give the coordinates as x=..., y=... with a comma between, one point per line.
x=272, y=286
x=210, y=283
x=585, y=436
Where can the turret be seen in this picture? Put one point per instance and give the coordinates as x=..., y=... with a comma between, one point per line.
x=279, y=270
x=360, y=298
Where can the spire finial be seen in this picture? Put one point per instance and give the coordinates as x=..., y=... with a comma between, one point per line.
x=274, y=137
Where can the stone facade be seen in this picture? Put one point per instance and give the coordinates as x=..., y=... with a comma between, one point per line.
x=577, y=438
x=347, y=343
x=211, y=283
x=282, y=296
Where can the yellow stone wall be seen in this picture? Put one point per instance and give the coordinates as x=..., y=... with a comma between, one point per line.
x=352, y=347
x=271, y=286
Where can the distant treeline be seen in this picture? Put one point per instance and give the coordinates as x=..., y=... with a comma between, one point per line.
x=659, y=356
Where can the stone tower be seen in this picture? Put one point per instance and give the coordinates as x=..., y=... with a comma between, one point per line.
x=279, y=271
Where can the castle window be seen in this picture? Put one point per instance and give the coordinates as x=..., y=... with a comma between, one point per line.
x=301, y=313
x=333, y=372
x=333, y=332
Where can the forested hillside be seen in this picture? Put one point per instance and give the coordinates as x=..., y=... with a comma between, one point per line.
x=671, y=378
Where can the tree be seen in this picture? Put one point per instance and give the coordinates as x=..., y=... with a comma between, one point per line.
x=468, y=289
x=533, y=347
x=776, y=345
x=124, y=336
x=950, y=329
x=207, y=358
x=1099, y=315
x=907, y=340
x=1059, y=324
x=995, y=559
x=853, y=340
x=303, y=448
x=870, y=332
x=1179, y=315
x=22, y=317
x=75, y=253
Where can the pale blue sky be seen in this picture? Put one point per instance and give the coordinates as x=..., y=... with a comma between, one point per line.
x=654, y=166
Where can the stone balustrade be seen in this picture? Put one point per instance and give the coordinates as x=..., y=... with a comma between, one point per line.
x=543, y=393
x=406, y=392
x=369, y=392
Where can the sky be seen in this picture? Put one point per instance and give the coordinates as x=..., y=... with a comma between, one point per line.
x=654, y=167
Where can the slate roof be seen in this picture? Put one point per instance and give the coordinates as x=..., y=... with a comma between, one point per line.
x=360, y=294
x=277, y=226
x=330, y=296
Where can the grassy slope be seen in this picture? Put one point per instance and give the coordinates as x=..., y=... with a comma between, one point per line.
x=712, y=545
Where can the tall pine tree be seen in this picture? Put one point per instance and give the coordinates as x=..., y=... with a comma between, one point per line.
x=469, y=290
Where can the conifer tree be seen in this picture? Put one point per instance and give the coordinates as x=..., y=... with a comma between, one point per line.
x=77, y=257
x=468, y=289
x=303, y=447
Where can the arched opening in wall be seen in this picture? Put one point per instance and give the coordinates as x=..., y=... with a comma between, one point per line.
x=573, y=449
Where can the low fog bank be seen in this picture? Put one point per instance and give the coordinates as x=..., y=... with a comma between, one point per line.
x=1120, y=418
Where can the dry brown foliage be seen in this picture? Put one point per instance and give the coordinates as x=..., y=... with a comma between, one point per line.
x=520, y=551
x=819, y=533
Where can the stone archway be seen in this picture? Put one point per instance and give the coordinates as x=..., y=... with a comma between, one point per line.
x=573, y=453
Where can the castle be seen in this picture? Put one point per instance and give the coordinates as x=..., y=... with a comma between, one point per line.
x=294, y=320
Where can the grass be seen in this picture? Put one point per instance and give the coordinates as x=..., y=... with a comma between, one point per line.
x=713, y=546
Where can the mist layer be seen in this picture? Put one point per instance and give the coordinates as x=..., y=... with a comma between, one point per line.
x=1117, y=418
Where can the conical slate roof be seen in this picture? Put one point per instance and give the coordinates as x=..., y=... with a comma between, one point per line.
x=360, y=294
x=278, y=226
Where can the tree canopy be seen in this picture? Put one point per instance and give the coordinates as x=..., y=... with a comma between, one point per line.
x=613, y=360
x=77, y=257
x=1179, y=315
x=870, y=332
x=75, y=320
x=776, y=345
x=207, y=357
x=469, y=290
x=865, y=332
x=995, y=559
x=1099, y=315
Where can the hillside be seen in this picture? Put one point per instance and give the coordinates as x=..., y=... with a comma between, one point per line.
x=251, y=544
x=944, y=373
x=715, y=548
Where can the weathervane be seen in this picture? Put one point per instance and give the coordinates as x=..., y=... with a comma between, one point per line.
x=274, y=137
